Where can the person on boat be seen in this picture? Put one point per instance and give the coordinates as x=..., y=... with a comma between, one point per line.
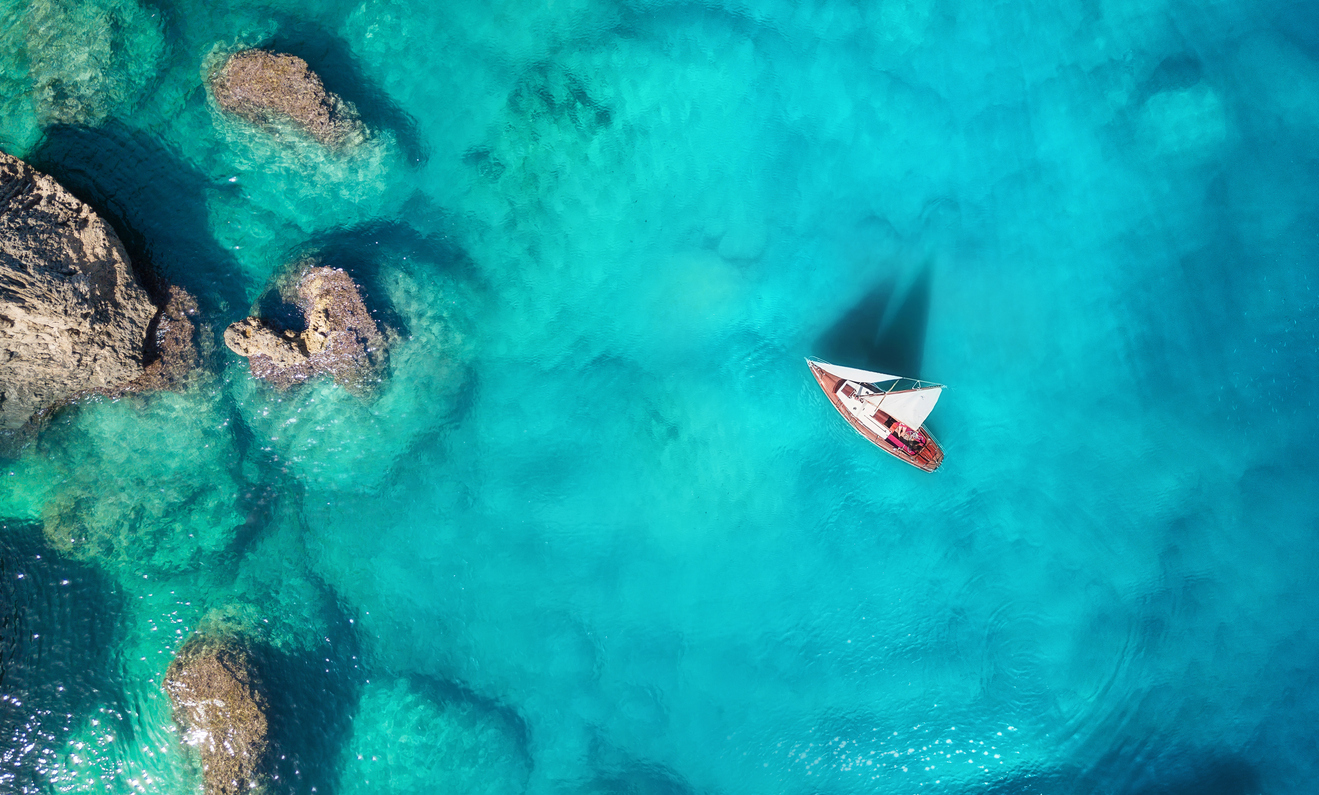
x=912, y=440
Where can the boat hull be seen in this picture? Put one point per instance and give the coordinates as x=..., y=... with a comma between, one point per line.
x=928, y=458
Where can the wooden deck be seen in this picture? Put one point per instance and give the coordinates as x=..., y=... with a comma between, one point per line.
x=928, y=458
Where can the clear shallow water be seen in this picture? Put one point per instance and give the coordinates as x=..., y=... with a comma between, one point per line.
x=600, y=533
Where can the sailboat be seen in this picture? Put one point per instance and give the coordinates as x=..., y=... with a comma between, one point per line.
x=886, y=409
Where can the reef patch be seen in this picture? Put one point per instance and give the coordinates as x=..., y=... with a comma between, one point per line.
x=341, y=338
x=219, y=703
x=268, y=89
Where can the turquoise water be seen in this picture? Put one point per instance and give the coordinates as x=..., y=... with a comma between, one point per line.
x=600, y=532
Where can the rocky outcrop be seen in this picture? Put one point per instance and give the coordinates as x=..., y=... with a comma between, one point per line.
x=269, y=88
x=171, y=350
x=340, y=337
x=319, y=431
x=74, y=319
x=216, y=693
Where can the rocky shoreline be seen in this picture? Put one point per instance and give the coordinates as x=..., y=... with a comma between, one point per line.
x=78, y=321
x=75, y=320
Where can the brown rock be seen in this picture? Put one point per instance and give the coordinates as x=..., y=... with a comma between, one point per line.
x=340, y=339
x=219, y=706
x=268, y=88
x=74, y=320
x=253, y=339
x=172, y=353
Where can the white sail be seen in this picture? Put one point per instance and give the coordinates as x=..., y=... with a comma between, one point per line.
x=911, y=406
x=853, y=374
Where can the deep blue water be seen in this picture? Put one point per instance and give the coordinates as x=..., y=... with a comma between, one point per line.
x=600, y=532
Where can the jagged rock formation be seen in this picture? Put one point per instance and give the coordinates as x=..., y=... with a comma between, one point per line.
x=341, y=337
x=171, y=346
x=331, y=438
x=268, y=88
x=216, y=693
x=74, y=320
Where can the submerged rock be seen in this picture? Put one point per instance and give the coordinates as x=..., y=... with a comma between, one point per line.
x=74, y=319
x=268, y=88
x=340, y=339
x=154, y=485
x=87, y=59
x=414, y=736
x=218, y=703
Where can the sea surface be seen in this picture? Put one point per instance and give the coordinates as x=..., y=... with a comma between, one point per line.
x=599, y=531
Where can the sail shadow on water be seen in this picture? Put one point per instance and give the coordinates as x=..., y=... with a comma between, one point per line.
x=884, y=330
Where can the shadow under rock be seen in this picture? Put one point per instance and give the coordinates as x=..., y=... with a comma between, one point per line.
x=1118, y=774
x=157, y=204
x=639, y=779
x=364, y=252
x=312, y=698
x=59, y=621
x=1225, y=776
x=333, y=60
x=1173, y=772
x=618, y=772
x=884, y=331
x=444, y=691
x=1030, y=782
